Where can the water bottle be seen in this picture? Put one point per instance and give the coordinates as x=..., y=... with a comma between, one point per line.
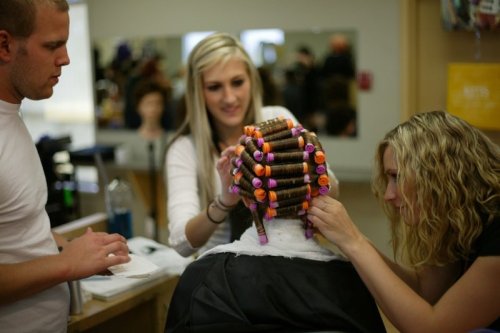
x=120, y=207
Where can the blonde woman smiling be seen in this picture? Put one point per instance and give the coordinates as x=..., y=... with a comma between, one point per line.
x=223, y=94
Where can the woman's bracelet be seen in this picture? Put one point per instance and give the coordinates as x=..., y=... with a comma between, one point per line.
x=222, y=206
x=210, y=218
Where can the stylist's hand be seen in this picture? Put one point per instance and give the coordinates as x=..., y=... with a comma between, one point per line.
x=224, y=168
x=89, y=254
x=330, y=217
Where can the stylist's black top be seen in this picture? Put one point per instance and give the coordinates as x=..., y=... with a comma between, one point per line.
x=228, y=293
x=487, y=244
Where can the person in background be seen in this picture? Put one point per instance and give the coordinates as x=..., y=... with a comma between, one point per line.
x=271, y=93
x=292, y=95
x=276, y=278
x=438, y=179
x=34, y=295
x=339, y=62
x=309, y=77
x=223, y=94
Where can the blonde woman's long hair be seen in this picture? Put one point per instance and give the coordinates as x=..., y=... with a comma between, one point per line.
x=454, y=171
x=215, y=49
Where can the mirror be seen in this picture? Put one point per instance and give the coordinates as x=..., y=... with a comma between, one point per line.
x=298, y=69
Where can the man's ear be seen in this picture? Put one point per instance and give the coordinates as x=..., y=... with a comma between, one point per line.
x=5, y=46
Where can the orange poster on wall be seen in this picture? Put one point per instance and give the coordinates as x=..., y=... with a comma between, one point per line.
x=474, y=93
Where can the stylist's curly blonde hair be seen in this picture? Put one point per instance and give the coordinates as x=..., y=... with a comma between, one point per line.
x=453, y=171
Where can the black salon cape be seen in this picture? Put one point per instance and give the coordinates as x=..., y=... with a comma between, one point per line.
x=228, y=293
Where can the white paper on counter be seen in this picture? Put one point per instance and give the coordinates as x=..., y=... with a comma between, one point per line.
x=137, y=267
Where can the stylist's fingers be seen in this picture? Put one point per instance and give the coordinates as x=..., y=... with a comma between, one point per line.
x=118, y=249
x=104, y=237
x=329, y=216
x=319, y=211
x=224, y=162
x=229, y=151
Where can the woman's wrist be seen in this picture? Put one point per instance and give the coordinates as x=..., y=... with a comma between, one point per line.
x=223, y=205
x=212, y=214
x=355, y=247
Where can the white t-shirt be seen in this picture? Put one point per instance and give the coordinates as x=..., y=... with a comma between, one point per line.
x=183, y=198
x=25, y=227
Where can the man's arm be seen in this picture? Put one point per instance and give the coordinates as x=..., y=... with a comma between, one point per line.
x=82, y=257
x=60, y=240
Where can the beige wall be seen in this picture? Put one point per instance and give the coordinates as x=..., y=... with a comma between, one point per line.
x=432, y=48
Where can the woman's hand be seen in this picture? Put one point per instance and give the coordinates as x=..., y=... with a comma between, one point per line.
x=224, y=167
x=330, y=217
x=89, y=254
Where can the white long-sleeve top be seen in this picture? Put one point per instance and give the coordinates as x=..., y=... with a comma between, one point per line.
x=183, y=194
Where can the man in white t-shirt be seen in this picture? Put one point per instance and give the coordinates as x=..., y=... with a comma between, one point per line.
x=34, y=295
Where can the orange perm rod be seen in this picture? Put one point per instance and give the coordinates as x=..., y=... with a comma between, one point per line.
x=286, y=169
x=256, y=182
x=319, y=157
x=270, y=213
x=323, y=180
x=257, y=168
x=258, y=193
x=289, y=193
x=294, y=131
x=250, y=129
x=293, y=181
x=286, y=211
x=239, y=149
x=279, y=125
x=294, y=156
x=289, y=202
x=290, y=143
x=237, y=176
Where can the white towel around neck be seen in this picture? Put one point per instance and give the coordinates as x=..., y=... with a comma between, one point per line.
x=286, y=238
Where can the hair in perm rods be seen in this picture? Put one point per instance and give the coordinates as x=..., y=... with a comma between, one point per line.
x=278, y=169
x=17, y=17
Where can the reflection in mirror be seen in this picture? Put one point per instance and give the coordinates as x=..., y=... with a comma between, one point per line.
x=311, y=73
